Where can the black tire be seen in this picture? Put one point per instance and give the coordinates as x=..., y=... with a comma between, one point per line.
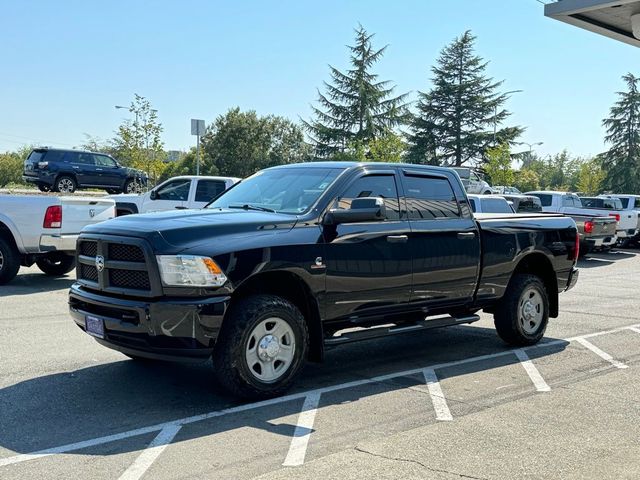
x=113, y=191
x=9, y=261
x=56, y=264
x=132, y=186
x=44, y=188
x=584, y=250
x=509, y=318
x=488, y=192
x=229, y=360
x=65, y=184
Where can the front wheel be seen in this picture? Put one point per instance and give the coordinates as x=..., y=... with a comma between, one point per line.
x=522, y=316
x=56, y=265
x=132, y=186
x=261, y=348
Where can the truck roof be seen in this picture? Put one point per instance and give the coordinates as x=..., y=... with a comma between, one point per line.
x=345, y=165
x=208, y=177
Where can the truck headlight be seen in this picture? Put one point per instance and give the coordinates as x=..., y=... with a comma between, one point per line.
x=190, y=271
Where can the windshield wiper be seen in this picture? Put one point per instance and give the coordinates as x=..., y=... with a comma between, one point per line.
x=247, y=206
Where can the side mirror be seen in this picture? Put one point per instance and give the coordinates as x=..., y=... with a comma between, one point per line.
x=367, y=209
x=153, y=195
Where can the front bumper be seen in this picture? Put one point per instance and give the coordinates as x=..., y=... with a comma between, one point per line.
x=167, y=328
x=573, y=278
x=58, y=243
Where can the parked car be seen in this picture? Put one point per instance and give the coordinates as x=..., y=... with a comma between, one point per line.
x=473, y=181
x=627, y=221
x=630, y=210
x=524, y=203
x=489, y=204
x=292, y=259
x=54, y=169
x=176, y=193
x=597, y=229
x=502, y=190
x=44, y=229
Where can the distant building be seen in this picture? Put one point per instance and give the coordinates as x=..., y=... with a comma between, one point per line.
x=618, y=19
x=174, y=155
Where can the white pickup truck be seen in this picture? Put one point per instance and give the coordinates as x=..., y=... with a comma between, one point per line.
x=178, y=192
x=630, y=212
x=43, y=229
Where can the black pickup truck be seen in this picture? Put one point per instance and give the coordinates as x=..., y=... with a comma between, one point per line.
x=298, y=258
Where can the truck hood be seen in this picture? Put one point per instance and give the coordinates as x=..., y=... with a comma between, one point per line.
x=173, y=231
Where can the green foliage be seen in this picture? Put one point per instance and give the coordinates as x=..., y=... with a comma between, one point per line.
x=556, y=172
x=527, y=180
x=498, y=166
x=389, y=147
x=239, y=143
x=591, y=177
x=11, y=168
x=357, y=108
x=455, y=119
x=622, y=161
x=138, y=143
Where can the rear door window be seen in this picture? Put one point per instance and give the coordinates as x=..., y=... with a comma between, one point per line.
x=208, y=189
x=637, y=203
x=430, y=198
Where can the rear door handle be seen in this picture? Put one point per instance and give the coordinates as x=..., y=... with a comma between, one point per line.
x=397, y=239
x=466, y=235
x=179, y=207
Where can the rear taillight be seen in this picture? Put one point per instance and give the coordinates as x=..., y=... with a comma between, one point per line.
x=616, y=216
x=53, y=217
x=588, y=227
x=576, y=247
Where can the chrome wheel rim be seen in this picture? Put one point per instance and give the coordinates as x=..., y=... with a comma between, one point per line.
x=530, y=310
x=270, y=349
x=133, y=187
x=65, y=185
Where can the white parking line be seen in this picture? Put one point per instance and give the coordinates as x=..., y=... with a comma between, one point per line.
x=151, y=453
x=437, y=397
x=288, y=398
x=532, y=371
x=600, y=353
x=300, y=440
x=634, y=329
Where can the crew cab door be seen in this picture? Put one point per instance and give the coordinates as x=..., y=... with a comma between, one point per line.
x=170, y=195
x=368, y=264
x=444, y=240
x=205, y=190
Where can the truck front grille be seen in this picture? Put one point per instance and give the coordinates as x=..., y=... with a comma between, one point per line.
x=117, y=265
x=129, y=279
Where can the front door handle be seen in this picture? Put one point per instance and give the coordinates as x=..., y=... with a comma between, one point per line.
x=179, y=207
x=466, y=235
x=397, y=239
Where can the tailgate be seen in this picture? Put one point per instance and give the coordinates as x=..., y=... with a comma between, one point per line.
x=78, y=212
x=603, y=226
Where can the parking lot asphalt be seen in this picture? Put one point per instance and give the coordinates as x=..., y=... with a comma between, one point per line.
x=450, y=403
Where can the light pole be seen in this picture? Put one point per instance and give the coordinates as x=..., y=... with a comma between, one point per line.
x=495, y=113
x=531, y=145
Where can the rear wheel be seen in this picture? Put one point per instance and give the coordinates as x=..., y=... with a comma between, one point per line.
x=261, y=348
x=65, y=184
x=56, y=264
x=132, y=186
x=44, y=188
x=9, y=261
x=523, y=313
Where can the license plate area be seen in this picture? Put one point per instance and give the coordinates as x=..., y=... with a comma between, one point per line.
x=94, y=326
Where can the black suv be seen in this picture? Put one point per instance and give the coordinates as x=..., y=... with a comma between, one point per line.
x=68, y=170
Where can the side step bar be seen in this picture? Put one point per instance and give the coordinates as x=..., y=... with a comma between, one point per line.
x=376, y=332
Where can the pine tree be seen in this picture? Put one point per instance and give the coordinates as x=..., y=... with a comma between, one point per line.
x=357, y=107
x=622, y=160
x=455, y=121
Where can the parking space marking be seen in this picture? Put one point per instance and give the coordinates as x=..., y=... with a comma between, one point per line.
x=151, y=453
x=604, y=355
x=288, y=398
x=634, y=329
x=300, y=440
x=532, y=371
x=437, y=397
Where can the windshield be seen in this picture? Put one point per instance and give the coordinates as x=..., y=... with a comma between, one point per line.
x=281, y=190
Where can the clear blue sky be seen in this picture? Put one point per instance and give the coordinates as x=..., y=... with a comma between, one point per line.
x=64, y=65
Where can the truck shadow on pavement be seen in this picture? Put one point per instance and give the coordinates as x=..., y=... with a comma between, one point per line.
x=105, y=399
x=30, y=283
x=601, y=259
